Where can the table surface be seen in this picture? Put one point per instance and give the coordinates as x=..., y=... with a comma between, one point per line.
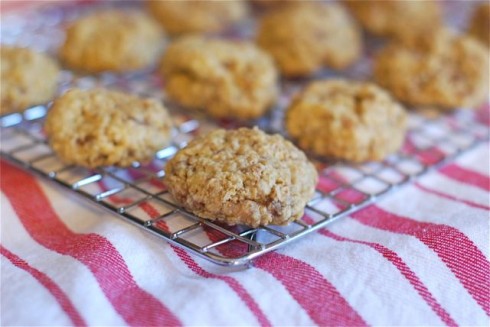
x=417, y=257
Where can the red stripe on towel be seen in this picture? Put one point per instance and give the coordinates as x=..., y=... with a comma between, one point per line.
x=49, y=284
x=94, y=251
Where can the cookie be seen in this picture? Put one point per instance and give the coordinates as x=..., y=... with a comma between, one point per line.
x=356, y=121
x=223, y=78
x=187, y=16
x=396, y=18
x=28, y=78
x=242, y=176
x=480, y=23
x=111, y=40
x=439, y=69
x=306, y=36
x=99, y=127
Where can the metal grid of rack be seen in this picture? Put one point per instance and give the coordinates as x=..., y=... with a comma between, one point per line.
x=138, y=194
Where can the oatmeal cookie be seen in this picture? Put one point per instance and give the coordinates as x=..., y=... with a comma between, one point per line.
x=196, y=16
x=223, y=78
x=99, y=127
x=480, y=23
x=111, y=40
x=305, y=36
x=356, y=121
x=396, y=18
x=28, y=78
x=242, y=176
x=438, y=69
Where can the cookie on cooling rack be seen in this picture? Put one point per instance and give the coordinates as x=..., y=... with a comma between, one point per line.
x=396, y=18
x=306, y=36
x=439, y=69
x=28, y=78
x=356, y=121
x=242, y=176
x=480, y=23
x=223, y=78
x=99, y=127
x=191, y=16
x=112, y=40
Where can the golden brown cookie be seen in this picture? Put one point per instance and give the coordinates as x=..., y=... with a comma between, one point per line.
x=196, y=16
x=118, y=41
x=306, y=36
x=438, y=69
x=356, y=121
x=480, y=23
x=242, y=176
x=396, y=18
x=100, y=127
x=28, y=78
x=222, y=78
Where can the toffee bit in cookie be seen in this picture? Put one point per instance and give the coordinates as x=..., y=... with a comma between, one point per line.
x=242, y=176
x=270, y=4
x=28, y=78
x=349, y=120
x=100, y=127
x=225, y=79
x=480, y=23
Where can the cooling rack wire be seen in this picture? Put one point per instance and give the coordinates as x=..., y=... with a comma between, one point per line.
x=137, y=194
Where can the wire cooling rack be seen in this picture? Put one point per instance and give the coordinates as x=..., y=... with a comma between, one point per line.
x=138, y=195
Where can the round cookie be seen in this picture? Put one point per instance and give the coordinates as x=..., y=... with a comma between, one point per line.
x=242, y=176
x=349, y=120
x=28, y=78
x=305, y=36
x=111, y=40
x=438, y=69
x=198, y=16
x=99, y=127
x=396, y=18
x=480, y=23
x=223, y=78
